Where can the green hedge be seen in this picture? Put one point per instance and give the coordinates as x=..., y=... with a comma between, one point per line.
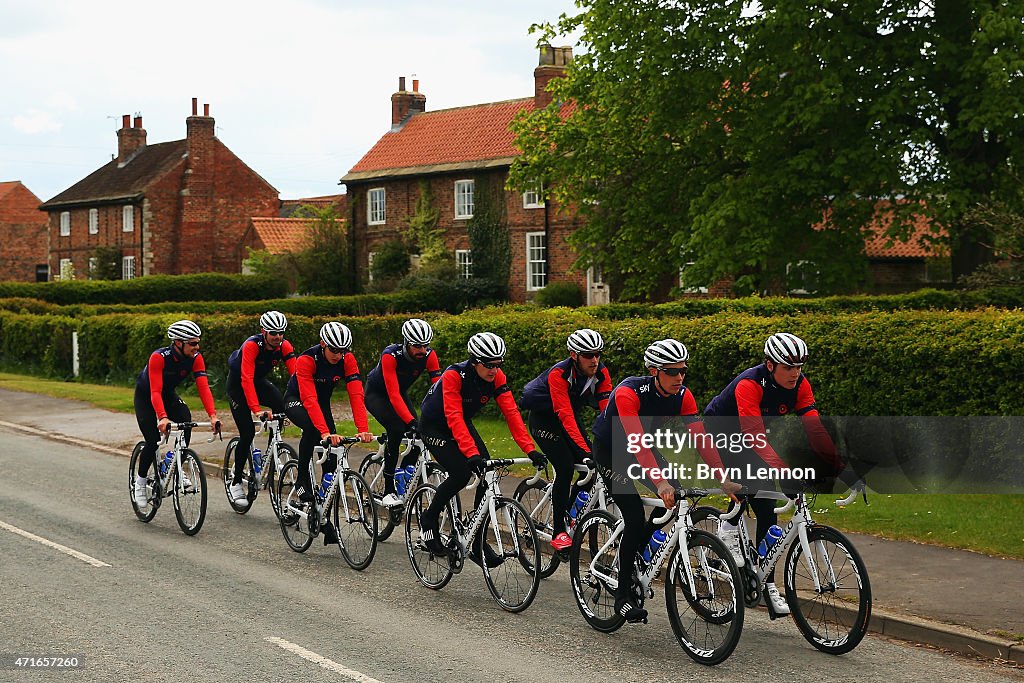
x=150, y=289
x=900, y=363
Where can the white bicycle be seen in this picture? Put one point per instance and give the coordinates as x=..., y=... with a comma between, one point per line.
x=372, y=469
x=259, y=472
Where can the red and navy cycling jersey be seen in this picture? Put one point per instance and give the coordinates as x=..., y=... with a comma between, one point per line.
x=395, y=373
x=314, y=381
x=167, y=369
x=254, y=360
x=629, y=411
x=561, y=391
x=459, y=396
x=754, y=395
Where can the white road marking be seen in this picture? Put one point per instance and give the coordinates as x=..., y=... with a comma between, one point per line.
x=326, y=663
x=56, y=546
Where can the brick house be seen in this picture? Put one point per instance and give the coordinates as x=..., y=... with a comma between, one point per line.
x=23, y=249
x=170, y=208
x=452, y=150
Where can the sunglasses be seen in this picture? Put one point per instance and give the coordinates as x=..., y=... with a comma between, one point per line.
x=492, y=366
x=589, y=355
x=673, y=372
x=334, y=349
x=191, y=343
x=275, y=334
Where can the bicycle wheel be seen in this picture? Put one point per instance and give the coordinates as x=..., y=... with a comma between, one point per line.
x=270, y=481
x=706, y=518
x=190, y=493
x=706, y=613
x=355, y=519
x=536, y=499
x=148, y=511
x=294, y=526
x=247, y=480
x=590, y=562
x=372, y=470
x=515, y=581
x=835, y=618
x=431, y=570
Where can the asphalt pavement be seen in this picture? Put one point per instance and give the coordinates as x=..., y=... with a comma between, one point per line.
x=951, y=599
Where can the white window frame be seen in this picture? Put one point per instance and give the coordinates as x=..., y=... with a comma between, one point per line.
x=533, y=198
x=369, y=265
x=464, y=263
x=532, y=274
x=464, y=194
x=66, y=269
x=93, y=264
x=65, y=223
x=127, y=267
x=376, y=206
x=128, y=218
x=689, y=289
x=94, y=221
x=802, y=264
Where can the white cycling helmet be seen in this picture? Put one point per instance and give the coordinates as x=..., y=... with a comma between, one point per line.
x=273, y=321
x=486, y=346
x=665, y=352
x=585, y=341
x=416, y=331
x=787, y=349
x=183, y=330
x=336, y=335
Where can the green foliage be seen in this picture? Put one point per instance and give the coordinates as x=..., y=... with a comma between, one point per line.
x=560, y=294
x=324, y=266
x=723, y=131
x=277, y=266
x=390, y=264
x=108, y=263
x=149, y=289
x=423, y=233
x=1005, y=228
x=488, y=233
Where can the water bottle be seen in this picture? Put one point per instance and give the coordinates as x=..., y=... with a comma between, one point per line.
x=257, y=459
x=410, y=471
x=326, y=486
x=658, y=539
x=581, y=501
x=166, y=462
x=401, y=479
x=770, y=539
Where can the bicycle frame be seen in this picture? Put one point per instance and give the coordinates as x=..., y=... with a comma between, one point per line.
x=421, y=465
x=273, y=427
x=598, y=497
x=468, y=528
x=182, y=429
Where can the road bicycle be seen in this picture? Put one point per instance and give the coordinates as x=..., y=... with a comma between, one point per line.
x=500, y=530
x=703, y=588
x=372, y=469
x=826, y=583
x=266, y=467
x=346, y=503
x=179, y=473
x=535, y=495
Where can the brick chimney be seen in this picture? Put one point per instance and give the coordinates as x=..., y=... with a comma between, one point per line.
x=553, y=63
x=130, y=139
x=196, y=240
x=404, y=103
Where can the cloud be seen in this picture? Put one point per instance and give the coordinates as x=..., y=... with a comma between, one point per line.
x=36, y=121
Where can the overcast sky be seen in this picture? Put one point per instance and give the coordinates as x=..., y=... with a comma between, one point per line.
x=300, y=90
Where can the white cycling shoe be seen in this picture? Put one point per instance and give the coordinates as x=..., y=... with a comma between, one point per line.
x=238, y=494
x=778, y=602
x=391, y=500
x=731, y=539
x=140, y=493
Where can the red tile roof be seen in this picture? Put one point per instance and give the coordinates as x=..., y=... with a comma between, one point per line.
x=918, y=244
x=278, y=235
x=445, y=137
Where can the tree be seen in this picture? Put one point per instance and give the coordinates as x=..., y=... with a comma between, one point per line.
x=324, y=265
x=488, y=234
x=108, y=263
x=725, y=133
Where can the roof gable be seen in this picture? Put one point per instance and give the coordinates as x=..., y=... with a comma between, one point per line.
x=445, y=137
x=112, y=182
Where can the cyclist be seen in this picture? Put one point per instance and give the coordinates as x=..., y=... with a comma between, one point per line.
x=249, y=387
x=775, y=387
x=636, y=405
x=308, y=402
x=387, y=397
x=448, y=431
x=555, y=399
x=157, y=404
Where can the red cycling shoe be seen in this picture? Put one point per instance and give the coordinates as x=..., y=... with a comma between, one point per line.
x=561, y=542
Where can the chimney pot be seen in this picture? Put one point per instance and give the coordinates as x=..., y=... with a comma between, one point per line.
x=138, y=122
x=206, y=109
x=401, y=84
x=415, y=85
x=126, y=121
x=195, y=106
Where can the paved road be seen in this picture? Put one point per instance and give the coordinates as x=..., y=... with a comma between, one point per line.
x=169, y=607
